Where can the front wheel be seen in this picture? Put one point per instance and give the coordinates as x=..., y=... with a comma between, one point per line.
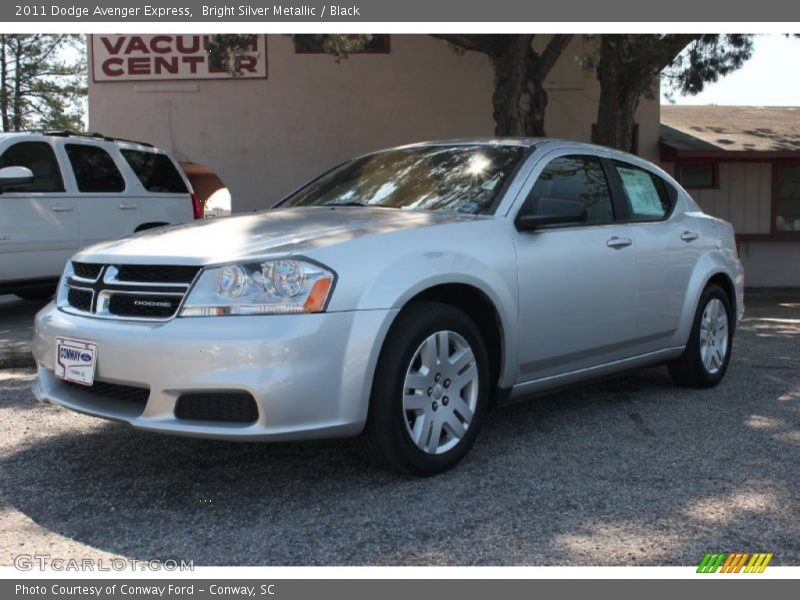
x=430, y=390
x=706, y=357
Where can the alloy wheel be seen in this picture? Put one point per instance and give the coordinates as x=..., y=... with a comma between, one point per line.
x=714, y=336
x=440, y=392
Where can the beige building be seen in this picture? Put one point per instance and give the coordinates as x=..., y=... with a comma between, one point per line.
x=296, y=112
x=743, y=165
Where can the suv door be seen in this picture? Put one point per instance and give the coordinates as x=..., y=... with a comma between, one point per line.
x=105, y=211
x=38, y=223
x=577, y=283
x=667, y=249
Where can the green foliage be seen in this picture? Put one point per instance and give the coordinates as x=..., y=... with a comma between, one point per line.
x=43, y=81
x=705, y=60
x=223, y=48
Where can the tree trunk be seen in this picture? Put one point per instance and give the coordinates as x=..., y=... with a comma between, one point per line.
x=619, y=100
x=4, y=83
x=17, y=100
x=616, y=110
x=519, y=100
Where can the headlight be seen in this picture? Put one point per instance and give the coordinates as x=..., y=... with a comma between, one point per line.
x=273, y=287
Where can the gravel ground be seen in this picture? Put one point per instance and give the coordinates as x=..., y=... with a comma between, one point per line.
x=632, y=471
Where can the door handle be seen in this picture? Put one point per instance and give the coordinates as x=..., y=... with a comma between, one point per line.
x=618, y=242
x=61, y=208
x=689, y=236
x=124, y=206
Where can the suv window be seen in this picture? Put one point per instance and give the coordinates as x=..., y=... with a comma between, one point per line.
x=646, y=193
x=41, y=160
x=577, y=178
x=156, y=172
x=95, y=170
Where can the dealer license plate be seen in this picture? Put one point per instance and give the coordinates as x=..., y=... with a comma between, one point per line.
x=76, y=360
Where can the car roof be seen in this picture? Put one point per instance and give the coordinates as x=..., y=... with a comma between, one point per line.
x=93, y=136
x=526, y=142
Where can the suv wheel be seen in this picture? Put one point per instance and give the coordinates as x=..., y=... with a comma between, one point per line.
x=430, y=390
x=706, y=357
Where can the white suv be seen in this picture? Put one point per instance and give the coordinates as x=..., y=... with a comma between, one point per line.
x=80, y=189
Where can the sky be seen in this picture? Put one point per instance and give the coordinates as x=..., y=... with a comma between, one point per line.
x=770, y=78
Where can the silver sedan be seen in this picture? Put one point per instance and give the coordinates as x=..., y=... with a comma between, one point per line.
x=398, y=297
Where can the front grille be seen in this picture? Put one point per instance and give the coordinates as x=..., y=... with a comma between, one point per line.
x=144, y=292
x=113, y=391
x=143, y=305
x=157, y=273
x=225, y=407
x=80, y=299
x=87, y=270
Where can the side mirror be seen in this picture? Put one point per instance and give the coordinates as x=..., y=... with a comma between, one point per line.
x=553, y=211
x=11, y=177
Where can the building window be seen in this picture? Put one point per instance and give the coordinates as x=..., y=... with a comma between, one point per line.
x=315, y=44
x=697, y=175
x=787, y=198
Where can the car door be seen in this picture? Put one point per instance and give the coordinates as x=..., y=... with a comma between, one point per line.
x=667, y=249
x=577, y=282
x=39, y=228
x=105, y=210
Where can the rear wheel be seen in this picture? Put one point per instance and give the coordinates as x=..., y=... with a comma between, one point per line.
x=430, y=391
x=706, y=357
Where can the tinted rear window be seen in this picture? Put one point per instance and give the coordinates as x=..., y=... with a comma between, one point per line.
x=94, y=169
x=156, y=172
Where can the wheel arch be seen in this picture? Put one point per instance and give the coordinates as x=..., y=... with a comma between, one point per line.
x=152, y=225
x=483, y=311
x=710, y=269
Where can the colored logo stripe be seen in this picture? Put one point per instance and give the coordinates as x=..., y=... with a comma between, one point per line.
x=734, y=562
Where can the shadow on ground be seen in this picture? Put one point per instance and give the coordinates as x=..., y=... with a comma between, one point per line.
x=628, y=471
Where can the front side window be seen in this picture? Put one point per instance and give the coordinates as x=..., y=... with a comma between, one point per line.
x=645, y=193
x=156, y=171
x=464, y=178
x=787, y=201
x=95, y=170
x=41, y=160
x=576, y=178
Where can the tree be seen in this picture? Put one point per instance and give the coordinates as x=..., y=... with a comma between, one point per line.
x=519, y=99
x=630, y=65
x=42, y=81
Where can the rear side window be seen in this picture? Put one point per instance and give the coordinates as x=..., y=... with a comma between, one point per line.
x=646, y=193
x=577, y=178
x=95, y=170
x=156, y=172
x=41, y=160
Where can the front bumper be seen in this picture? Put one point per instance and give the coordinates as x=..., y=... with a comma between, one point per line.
x=310, y=374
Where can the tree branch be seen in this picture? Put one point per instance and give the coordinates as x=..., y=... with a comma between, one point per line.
x=555, y=47
x=483, y=43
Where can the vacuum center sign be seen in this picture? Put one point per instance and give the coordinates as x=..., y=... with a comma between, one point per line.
x=172, y=57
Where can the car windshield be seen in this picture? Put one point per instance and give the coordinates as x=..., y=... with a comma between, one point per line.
x=464, y=178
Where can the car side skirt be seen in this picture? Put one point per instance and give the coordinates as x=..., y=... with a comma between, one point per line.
x=552, y=383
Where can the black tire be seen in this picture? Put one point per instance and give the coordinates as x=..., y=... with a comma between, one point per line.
x=688, y=369
x=386, y=438
x=36, y=294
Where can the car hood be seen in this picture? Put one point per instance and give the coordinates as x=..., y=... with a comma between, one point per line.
x=271, y=232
